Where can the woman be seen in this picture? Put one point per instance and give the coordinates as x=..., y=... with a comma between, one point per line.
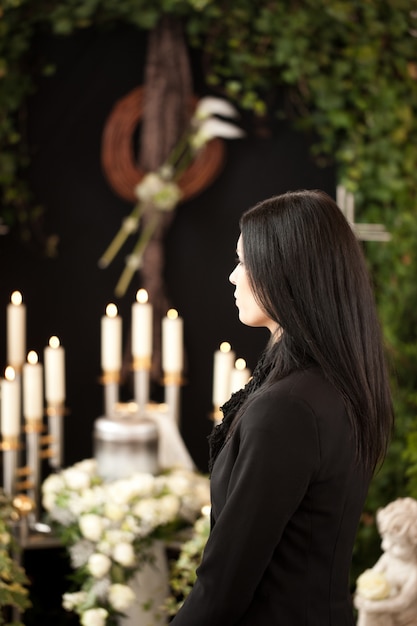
x=292, y=459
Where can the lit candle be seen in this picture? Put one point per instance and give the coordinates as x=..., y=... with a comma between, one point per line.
x=32, y=388
x=223, y=365
x=16, y=331
x=10, y=404
x=54, y=360
x=142, y=326
x=239, y=375
x=111, y=340
x=172, y=343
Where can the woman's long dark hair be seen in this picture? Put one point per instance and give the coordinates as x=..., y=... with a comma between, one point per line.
x=308, y=272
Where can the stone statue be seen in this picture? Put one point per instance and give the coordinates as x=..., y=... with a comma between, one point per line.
x=386, y=594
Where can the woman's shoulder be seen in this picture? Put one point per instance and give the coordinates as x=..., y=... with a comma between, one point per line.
x=306, y=394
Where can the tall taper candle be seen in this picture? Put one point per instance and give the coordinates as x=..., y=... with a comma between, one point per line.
x=111, y=340
x=239, y=375
x=10, y=405
x=33, y=388
x=142, y=327
x=16, y=331
x=223, y=365
x=172, y=343
x=54, y=362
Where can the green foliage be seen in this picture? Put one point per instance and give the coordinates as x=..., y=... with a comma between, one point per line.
x=14, y=593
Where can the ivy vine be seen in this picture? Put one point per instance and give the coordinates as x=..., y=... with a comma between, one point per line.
x=349, y=72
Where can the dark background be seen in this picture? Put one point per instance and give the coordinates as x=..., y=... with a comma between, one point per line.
x=67, y=295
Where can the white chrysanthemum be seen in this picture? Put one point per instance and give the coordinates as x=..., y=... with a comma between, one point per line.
x=99, y=565
x=71, y=601
x=92, y=526
x=94, y=617
x=80, y=552
x=121, y=597
x=210, y=105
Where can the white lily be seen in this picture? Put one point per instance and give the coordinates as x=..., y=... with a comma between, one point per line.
x=211, y=105
x=213, y=127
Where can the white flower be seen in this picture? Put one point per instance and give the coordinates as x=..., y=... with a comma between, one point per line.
x=124, y=554
x=115, y=511
x=155, y=189
x=121, y=597
x=91, y=526
x=130, y=224
x=94, y=617
x=211, y=128
x=372, y=585
x=71, y=601
x=211, y=105
x=76, y=479
x=53, y=484
x=99, y=565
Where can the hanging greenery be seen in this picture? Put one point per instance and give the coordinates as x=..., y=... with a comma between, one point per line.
x=348, y=69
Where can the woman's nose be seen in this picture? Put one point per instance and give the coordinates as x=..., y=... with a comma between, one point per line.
x=231, y=277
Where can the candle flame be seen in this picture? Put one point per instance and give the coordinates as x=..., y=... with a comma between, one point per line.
x=16, y=298
x=54, y=342
x=9, y=373
x=142, y=296
x=240, y=364
x=172, y=314
x=111, y=310
x=225, y=346
x=32, y=357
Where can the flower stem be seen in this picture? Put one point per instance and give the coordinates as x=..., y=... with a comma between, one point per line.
x=130, y=268
x=120, y=237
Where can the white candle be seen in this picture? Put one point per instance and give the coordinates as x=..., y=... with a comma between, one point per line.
x=141, y=326
x=223, y=364
x=239, y=376
x=10, y=404
x=16, y=331
x=172, y=343
x=111, y=340
x=32, y=388
x=54, y=361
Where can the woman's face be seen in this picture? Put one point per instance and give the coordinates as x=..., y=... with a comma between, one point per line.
x=250, y=313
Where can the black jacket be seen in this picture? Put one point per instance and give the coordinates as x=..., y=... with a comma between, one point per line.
x=286, y=501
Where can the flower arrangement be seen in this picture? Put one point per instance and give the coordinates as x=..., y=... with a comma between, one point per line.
x=183, y=569
x=159, y=192
x=14, y=592
x=109, y=529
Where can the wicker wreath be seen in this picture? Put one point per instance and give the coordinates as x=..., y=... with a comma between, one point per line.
x=118, y=158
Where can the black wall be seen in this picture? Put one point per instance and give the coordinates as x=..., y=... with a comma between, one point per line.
x=67, y=295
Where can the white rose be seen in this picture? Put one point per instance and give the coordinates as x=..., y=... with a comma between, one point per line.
x=76, y=479
x=99, y=565
x=91, y=526
x=372, y=585
x=53, y=484
x=94, y=617
x=124, y=554
x=71, y=601
x=114, y=512
x=121, y=597
x=89, y=466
